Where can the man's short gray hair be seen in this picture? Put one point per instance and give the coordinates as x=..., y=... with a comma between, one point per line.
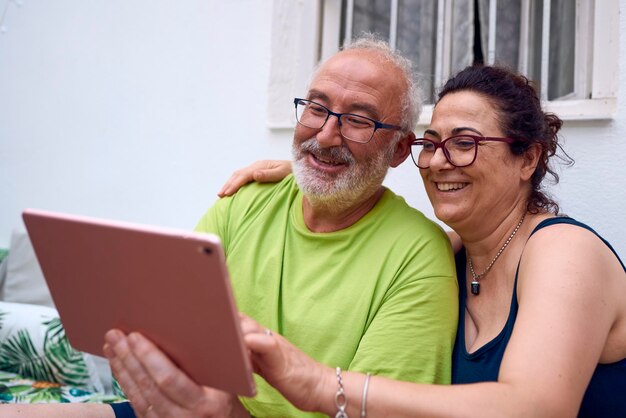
x=411, y=105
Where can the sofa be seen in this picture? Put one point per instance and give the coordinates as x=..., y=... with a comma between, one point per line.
x=37, y=362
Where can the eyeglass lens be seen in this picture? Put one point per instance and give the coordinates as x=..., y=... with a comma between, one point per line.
x=460, y=151
x=353, y=127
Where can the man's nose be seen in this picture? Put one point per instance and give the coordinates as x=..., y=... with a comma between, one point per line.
x=330, y=134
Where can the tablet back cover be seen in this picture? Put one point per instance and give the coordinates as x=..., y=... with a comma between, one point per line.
x=171, y=286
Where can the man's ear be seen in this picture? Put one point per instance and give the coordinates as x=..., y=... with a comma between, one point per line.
x=530, y=160
x=403, y=149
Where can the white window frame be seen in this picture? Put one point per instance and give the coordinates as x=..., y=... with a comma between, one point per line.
x=307, y=31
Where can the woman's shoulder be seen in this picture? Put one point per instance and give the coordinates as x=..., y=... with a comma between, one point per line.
x=554, y=235
x=569, y=253
x=567, y=270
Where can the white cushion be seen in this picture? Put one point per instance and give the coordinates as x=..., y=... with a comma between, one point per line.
x=24, y=281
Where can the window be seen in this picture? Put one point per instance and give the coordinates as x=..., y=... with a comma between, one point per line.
x=569, y=48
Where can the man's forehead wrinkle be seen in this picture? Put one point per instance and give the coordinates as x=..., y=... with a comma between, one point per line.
x=354, y=94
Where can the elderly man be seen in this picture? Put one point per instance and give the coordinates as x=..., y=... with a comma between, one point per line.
x=328, y=258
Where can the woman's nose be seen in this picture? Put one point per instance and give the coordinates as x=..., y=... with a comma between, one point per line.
x=439, y=160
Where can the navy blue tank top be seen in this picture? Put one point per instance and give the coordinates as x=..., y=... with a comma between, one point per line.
x=606, y=393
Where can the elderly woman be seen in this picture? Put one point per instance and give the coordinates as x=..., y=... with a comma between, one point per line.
x=542, y=328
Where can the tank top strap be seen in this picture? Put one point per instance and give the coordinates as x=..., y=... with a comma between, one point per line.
x=571, y=221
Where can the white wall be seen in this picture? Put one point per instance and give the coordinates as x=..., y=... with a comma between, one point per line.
x=135, y=110
x=139, y=110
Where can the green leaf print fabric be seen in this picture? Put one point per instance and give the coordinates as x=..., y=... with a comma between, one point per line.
x=38, y=364
x=16, y=389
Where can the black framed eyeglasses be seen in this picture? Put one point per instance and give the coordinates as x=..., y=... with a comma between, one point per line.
x=353, y=127
x=459, y=150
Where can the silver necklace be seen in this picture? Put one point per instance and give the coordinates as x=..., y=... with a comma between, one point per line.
x=477, y=277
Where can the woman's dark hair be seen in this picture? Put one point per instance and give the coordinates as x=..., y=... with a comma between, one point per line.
x=520, y=117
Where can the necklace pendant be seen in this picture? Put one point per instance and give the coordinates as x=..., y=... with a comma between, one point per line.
x=475, y=288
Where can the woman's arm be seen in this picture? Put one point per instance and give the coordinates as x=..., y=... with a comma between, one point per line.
x=559, y=337
x=570, y=294
x=264, y=171
x=311, y=386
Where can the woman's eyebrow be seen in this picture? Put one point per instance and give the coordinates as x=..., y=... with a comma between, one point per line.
x=460, y=129
x=432, y=132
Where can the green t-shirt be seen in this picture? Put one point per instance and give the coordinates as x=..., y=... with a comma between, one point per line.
x=379, y=296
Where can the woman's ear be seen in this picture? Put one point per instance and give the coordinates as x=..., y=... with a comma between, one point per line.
x=403, y=149
x=531, y=159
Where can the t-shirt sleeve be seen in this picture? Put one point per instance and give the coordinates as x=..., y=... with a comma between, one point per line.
x=215, y=220
x=411, y=337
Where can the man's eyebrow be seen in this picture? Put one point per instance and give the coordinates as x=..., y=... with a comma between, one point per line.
x=316, y=95
x=371, y=110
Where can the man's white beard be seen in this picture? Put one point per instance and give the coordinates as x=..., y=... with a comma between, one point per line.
x=354, y=185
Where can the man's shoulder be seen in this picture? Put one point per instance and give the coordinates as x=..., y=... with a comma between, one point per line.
x=251, y=201
x=399, y=212
x=255, y=193
x=418, y=245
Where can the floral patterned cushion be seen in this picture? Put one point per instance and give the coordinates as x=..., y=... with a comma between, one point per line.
x=17, y=389
x=35, y=350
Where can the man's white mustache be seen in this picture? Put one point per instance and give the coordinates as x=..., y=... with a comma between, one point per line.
x=338, y=154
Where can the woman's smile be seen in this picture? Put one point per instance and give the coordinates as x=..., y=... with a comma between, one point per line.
x=449, y=186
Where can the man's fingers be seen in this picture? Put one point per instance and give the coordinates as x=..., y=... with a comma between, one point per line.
x=116, y=350
x=144, y=392
x=170, y=380
x=154, y=385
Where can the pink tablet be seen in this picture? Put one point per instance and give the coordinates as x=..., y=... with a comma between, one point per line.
x=172, y=286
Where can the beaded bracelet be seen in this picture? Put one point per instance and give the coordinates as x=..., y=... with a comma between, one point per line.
x=341, y=400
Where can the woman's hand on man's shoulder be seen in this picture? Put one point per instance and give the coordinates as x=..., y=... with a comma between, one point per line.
x=262, y=171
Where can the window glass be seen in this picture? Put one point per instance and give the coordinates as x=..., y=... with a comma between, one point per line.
x=534, y=42
x=463, y=48
x=561, y=53
x=371, y=16
x=417, y=39
x=562, y=47
x=508, y=30
x=442, y=37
